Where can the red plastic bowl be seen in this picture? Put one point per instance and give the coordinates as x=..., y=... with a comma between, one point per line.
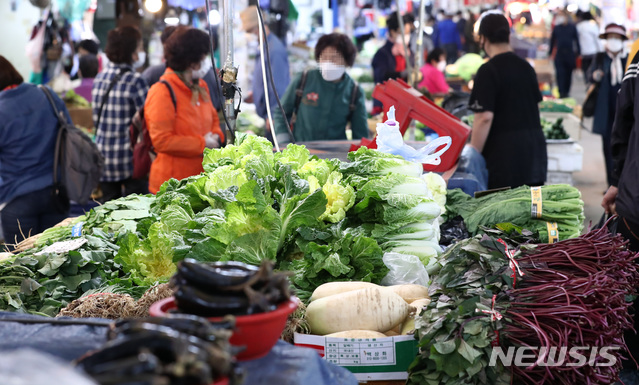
x=258, y=333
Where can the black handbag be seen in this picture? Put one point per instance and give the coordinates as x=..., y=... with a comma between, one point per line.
x=590, y=103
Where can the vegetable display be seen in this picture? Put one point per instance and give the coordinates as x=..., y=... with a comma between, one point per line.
x=554, y=131
x=558, y=204
x=325, y=220
x=363, y=309
x=547, y=298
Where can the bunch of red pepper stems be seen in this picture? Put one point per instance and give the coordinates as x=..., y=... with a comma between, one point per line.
x=574, y=294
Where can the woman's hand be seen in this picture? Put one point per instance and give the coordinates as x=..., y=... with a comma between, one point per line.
x=597, y=75
x=211, y=140
x=608, y=202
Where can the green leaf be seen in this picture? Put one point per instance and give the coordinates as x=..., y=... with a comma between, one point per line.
x=467, y=351
x=445, y=347
x=52, y=263
x=72, y=282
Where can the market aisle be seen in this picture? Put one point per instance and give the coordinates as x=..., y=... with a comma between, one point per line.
x=591, y=180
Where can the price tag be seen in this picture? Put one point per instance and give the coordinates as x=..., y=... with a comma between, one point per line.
x=536, y=202
x=358, y=351
x=553, y=232
x=76, y=230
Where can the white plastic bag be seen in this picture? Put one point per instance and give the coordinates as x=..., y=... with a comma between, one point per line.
x=390, y=140
x=34, y=47
x=404, y=269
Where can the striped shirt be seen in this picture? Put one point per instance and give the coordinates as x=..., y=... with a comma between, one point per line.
x=112, y=137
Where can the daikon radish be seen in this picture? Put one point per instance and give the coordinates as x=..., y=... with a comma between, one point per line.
x=366, y=309
x=410, y=292
x=418, y=305
x=391, y=333
x=408, y=327
x=357, y=334
x=332, y=288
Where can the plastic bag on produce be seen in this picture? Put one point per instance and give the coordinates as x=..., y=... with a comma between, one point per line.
x=404, y=269
x=453, y=231
x=390, y=140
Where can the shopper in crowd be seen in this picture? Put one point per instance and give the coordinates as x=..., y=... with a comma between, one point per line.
x=471, y=45
x=112, y=113
x=588, y=32
x=388, y=62
x=180, y=132
x=278, y=63
x=88, y=71
x=564, y=49
x=363, y=27
x=86, y=47
x=623, y=194
x=607, y=70
x=330, y=99
x=447, y=38
x=461, y=23
x=153, y=74
x=433, y=78
x=28, y=131
x=505, y=97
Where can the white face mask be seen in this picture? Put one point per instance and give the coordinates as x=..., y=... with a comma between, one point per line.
x=441, y=66
x=141, y=59
x=614, y=44
x=331, y=71
x=560, y=20
x=205, y=66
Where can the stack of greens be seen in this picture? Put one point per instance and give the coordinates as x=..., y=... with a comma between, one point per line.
x=554, y=131
x=323, y=219
x=561, y=204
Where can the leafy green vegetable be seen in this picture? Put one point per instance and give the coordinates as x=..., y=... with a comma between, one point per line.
x=560, y=203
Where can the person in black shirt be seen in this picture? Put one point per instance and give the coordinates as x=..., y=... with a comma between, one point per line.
x=507, y=129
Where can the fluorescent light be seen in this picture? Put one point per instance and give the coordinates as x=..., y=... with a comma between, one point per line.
x=153, y=6
x=172, y=18
x=572, y=8
x=215, y=18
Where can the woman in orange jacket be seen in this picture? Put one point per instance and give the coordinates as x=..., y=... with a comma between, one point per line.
x=180, y=132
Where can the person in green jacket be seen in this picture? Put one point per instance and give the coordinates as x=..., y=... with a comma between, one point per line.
x=324, y=100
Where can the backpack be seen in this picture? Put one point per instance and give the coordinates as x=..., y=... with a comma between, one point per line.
x=77, y=162
x=143, y=153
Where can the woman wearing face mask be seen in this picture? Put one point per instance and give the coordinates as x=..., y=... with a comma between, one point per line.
x=434, y=80
x=117, y=93
x=180, y=132
x=607, y=70
x=330, y=99
x=506, y=129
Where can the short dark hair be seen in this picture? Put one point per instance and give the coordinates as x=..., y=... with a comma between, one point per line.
x=9, y=76
x=122, y=42
x=341, y=43
x=434, y=55
x=185, y=47
x=408, y=18
x=167, y=32
x=88, y=66
x=90, y=46
x=392, y=23
x=495, y=28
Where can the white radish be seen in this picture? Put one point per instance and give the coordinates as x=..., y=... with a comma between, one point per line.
x=332, y=288
x=410, y=292
x=357, y=334
x=366, y=309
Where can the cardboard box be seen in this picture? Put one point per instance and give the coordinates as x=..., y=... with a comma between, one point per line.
x=367, y=358
x=82, y=116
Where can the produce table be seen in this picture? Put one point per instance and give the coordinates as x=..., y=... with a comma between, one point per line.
x=285, y=364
